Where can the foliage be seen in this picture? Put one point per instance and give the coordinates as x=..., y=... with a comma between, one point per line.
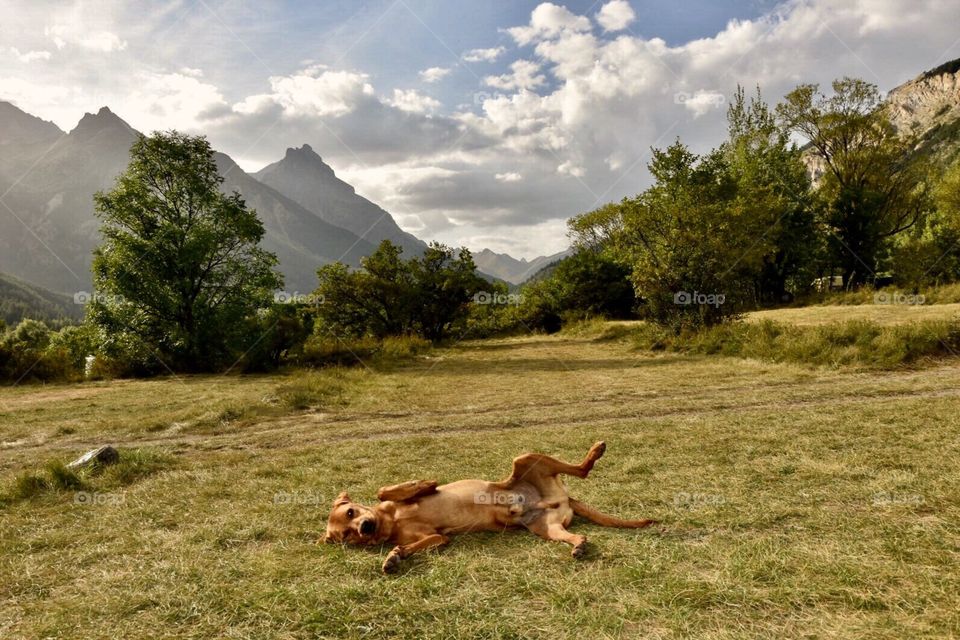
x=427, y=295
x=179, y=271
x=870, y=190
x=691, y=243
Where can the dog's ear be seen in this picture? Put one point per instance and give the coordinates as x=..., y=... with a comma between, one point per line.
x=343, y=498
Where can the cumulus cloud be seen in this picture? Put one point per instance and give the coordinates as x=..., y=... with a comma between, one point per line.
x=549, y=20
x=511, y=176
x=434, y=74
x=616, y=15
x=484, y=55
x=524, y=75
x=413, y=101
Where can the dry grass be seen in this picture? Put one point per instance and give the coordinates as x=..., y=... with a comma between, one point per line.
x=885, y=314
x=795, y=502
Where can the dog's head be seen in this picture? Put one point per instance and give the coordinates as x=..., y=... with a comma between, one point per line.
x=352, y=523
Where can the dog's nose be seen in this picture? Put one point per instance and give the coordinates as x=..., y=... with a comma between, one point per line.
x=367, y=527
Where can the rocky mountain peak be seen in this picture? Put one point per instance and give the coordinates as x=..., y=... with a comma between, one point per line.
x=928, y=101
x=104, y=120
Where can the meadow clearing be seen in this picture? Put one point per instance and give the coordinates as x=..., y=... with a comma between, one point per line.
x=794, y=501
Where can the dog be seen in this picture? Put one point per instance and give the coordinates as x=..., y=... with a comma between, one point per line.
x=419, y=515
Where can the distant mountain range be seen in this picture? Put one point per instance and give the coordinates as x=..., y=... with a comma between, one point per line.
x=511, y=269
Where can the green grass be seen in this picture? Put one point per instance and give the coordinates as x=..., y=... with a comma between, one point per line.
x=795, y=502
x=854, y=343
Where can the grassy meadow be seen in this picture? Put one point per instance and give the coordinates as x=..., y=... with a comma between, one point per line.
x=795, y=501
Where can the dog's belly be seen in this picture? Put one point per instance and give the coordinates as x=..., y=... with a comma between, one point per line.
x=472, y=505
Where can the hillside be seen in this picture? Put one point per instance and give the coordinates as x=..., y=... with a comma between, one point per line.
x=19, y=300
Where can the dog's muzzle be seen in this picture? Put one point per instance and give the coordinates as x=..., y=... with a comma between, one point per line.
x=368, y=527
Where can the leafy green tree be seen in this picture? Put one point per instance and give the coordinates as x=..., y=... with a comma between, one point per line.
x=870, y=190
x=445, y=283
x=692, y=246
x=773, y=182
x=180, y=268
x=389, y=296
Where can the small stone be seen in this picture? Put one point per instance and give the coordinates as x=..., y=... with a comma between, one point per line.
x=99, y=456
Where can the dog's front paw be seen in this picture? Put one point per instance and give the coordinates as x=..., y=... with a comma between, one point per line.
x=579, y=551
x=392, y=563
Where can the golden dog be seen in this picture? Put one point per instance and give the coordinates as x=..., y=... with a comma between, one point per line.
x=420, y=515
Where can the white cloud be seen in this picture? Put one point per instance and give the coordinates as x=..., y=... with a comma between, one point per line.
x=413, y=101
x=511, y=176
x=616, y=15
x=568, y=168
x=434, y=74
x=484, y=55
x=308, y=94
x=525, y=75
x=547, y=21
x=29, y=56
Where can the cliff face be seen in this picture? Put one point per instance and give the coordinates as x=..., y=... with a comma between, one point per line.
x=927, y=102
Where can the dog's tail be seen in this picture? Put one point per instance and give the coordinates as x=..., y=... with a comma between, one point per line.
x=596, y=517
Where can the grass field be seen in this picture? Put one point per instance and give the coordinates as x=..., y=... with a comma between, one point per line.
x=794, y=502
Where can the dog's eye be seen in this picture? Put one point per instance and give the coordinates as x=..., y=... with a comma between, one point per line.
x=349, y=513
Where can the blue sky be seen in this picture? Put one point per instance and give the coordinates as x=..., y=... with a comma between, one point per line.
x=485, y=123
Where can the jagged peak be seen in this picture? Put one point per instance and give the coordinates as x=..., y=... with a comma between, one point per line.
x=102, y=119
x=951, y=67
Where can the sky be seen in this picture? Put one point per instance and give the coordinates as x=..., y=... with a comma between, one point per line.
x=482, y=123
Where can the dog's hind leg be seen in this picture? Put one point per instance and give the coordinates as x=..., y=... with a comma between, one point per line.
x=539, y=464
x=556, y=531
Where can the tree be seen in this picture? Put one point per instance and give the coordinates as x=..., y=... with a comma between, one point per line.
x=691, y=245
x=870, y=189
x=180, y=268
x=772, y=180
x=390, y=296
x=444, y=285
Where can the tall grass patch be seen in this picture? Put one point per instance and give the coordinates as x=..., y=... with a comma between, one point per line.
x=856, y=343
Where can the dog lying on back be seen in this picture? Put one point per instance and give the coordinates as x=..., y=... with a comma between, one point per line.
x=419, y=515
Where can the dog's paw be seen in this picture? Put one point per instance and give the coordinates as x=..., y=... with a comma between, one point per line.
x=579, y=551
x=597, y=450
x=391, y=564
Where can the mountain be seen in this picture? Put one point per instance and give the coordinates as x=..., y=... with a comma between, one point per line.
x=511, y=269
x=306, y=179
x=47, y=225
x=928, y=107
x=19, y=300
